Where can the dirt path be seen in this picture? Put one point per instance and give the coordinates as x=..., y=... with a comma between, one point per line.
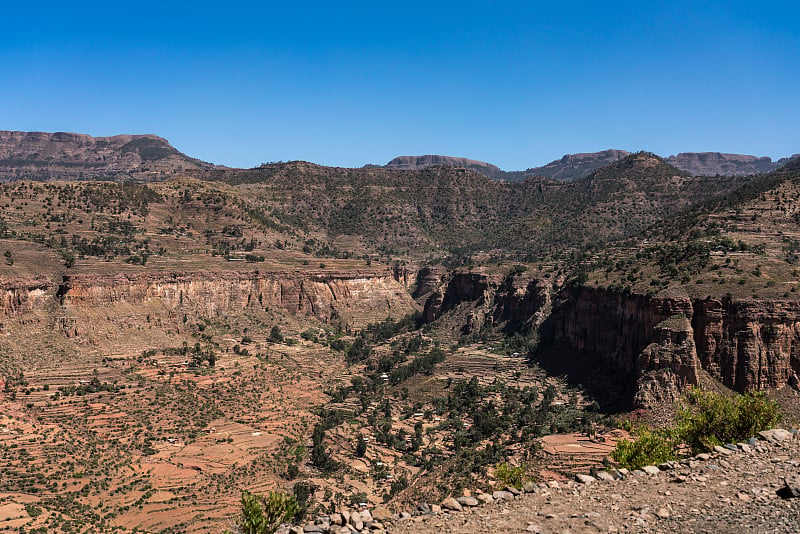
x=733, y=493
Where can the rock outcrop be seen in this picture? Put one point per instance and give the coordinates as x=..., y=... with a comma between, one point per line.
x=356, y=297
x=662, y=343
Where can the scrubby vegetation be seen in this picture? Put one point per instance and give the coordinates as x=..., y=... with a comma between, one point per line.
x=704, y=420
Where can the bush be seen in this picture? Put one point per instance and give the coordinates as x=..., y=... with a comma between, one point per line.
x=651, y=447
x=263, y=514
x=510, y=475
x=706, y=419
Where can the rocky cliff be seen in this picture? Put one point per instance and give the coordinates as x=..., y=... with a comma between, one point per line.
x=357, y=297
x=661, y=343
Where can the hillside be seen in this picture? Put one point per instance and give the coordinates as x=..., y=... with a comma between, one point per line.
x=440, y=211
x=69, y=156
x=367, y=335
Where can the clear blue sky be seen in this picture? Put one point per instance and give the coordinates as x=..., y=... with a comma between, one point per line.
x=347, y=83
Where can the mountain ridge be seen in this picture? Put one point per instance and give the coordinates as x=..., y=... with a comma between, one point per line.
x=576, y=166
x=63, y=155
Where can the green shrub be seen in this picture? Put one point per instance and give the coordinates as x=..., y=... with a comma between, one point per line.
x=706, y=419
x=510, y=475
x=651, y=447
x=263, y=514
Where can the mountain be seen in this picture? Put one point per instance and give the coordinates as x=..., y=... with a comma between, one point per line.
x=568, y=168
x=70, y=156
x=577, y=166
x=414, y=163
x=717, y=163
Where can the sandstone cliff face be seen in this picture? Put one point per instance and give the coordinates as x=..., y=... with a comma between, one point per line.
x=664, y=343
x=358, y=297
x=668, y=340
x=23, y=296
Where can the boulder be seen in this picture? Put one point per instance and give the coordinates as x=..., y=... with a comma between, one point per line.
x=468, y=501
x=651, y=470
x=792, y=484
x=502, y=495
x=776, y=434
x=604, y=475
x=451, y=504
x=485, y=498
x=381, y=513
x=585, y=479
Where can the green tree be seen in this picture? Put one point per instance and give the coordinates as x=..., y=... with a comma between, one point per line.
x=263, y=514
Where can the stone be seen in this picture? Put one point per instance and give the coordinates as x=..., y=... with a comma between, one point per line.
x=665, y=466
x=663, y=513
x=296, y=530
x=502, y=495
x=485, y=498
x=337, y=519
x=722, y=450
x=452, y=504
x=468, y=501
x=745, y=447
x=512, y=490
x=536, y=529
x=355, y=521
x=530, y=487
x=624, y=472
x=436, y=509
x=585, y=479
x=752, y=442
x=424, y=508
x=776, y=434
x=605, y=475
x=366, y=516
x=381, y=513
x=732, y=447
x=703, y=456
x=311, y=527
x=553, y=484
x=792, y=484
x=405, y=515
x=651, y=470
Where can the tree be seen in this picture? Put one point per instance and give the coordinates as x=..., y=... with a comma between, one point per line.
x=275, y=334
x=361, y=448
x=263, y=514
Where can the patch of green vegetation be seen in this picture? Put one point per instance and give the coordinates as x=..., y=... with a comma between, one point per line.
x=704, y=420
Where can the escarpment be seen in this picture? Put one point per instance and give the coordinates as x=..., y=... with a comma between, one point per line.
x=357, y=296
x=659, y=344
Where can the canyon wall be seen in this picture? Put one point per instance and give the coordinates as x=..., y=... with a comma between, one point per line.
x=664, y=342
x=359, y=297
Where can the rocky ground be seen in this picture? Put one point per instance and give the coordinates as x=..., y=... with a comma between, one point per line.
x=749, y=489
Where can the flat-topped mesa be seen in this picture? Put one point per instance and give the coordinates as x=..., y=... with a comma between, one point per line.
x=61, y=155
x=718, y=163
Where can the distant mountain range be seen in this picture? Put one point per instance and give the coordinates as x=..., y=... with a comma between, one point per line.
x=65, y=156
x=145, y=158
x=576, y=166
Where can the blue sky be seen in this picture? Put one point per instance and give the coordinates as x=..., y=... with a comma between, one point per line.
x=347, y=83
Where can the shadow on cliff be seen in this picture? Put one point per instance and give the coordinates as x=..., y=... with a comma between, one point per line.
x=613, y=388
